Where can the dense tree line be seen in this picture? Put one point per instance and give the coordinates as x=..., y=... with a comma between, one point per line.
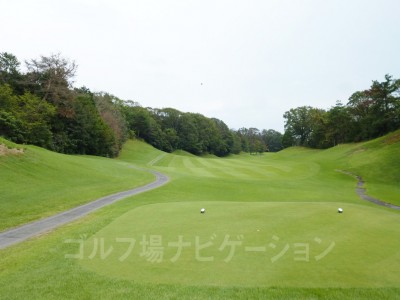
x=169, y=129
x=368, y=114
x=41, y=107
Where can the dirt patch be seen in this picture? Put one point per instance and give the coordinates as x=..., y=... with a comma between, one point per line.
x=4, y=150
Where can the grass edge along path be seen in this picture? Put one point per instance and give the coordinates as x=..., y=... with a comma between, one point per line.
x=39, y=183
x=21, y=233
x=362, y=193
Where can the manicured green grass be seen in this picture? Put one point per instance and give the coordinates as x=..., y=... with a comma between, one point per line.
x=38, y=269
x=41, y=183
x=291, y=197
x=378, y=162
x=250, y=244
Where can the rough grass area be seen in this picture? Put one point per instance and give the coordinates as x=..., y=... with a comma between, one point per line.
x=9, y=148
x=4, y=150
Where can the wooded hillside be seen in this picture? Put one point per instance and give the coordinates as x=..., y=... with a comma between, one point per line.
x=42, y=107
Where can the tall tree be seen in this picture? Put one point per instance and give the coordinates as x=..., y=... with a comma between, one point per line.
x=385, y=97
x=9, y=72
x=236, y=142
x=168, y=118
x=376, y=110
x=305, y=126
x=340, y=125
x=318, y=123
x=272, y=139
x=298, y=123
x=25, y=118
x=224, y=140
x=110, y=110
x=142, y=124
x=188, y=134
x=50, y=77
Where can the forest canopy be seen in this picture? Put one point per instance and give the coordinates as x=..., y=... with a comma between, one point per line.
x=42, y=107
x=368, y=114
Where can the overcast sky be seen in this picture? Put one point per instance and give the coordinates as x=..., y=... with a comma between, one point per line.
x=245, y=62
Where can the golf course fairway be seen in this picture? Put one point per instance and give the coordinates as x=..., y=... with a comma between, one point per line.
x=271, y=227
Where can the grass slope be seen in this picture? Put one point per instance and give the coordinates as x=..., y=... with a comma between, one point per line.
x=378, y=162
x=278, y=199
x=40, y=183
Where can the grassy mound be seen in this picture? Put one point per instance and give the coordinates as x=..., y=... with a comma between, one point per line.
x=40, y=183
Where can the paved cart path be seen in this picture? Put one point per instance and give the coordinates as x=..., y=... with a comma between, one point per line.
x=21, y=233
x=361, y=192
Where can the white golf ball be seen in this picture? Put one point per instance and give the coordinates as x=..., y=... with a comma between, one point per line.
x=340, y=210
x=203, y=210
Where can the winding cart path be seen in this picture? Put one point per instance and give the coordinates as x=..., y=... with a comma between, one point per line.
x=360, y=190
x=24, y=232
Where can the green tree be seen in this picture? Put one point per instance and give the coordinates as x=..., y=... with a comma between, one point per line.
x=110, y=110
x=298, y=124
x=25, y=118
x=142, y=122
x=385, y=98
x=272, y=139
x=168, y=118
x=50, y=78
x=189, y=139
x=172, y=138
x=8, y=101
x=35, y=115
x=243, y=135
x=340, y=125
x=254, y=137
x=305, y=126
x=251, y=140
x=223, y=139
x=9, y=71
x=376, y=110
x=318, y=122
x=360, y=106
x=288, y=138
x=237, y=142
x=11, y=127
x=87, y=133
